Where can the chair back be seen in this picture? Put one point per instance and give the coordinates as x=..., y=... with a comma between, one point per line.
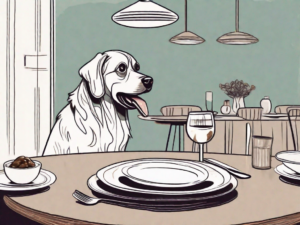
x=250, y=113
x=293, y=113
x=179, y=110
x=284, y=109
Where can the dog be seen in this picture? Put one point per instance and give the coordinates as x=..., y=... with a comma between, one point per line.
x=96, y=116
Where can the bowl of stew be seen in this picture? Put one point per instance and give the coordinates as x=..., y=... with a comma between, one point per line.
x=22, y=170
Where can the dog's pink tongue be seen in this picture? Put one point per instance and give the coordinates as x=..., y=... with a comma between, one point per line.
x=140, y=104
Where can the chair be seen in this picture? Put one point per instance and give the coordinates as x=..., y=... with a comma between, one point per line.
x=177, y=110
x=250, y=113
x=294, y=111
x=283, y=108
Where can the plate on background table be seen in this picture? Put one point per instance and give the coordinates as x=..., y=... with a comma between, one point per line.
x=114, y=177
x=274, y=115
x=44, y=179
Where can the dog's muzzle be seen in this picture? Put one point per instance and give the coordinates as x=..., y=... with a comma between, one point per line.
x=147, y=82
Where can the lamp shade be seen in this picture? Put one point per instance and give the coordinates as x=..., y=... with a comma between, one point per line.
x=237, y=38
x=145, y=14
x=187, y=38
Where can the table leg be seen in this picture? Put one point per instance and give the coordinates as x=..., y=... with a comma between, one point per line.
x=169, y=137
x=248, y=137
x=174, y=138
x=179, y=137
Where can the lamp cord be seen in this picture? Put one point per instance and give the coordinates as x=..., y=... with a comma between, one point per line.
x=185, y=15
x=237, y=15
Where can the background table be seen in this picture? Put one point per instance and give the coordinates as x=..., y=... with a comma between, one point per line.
x=231, y=135
x=260, y=198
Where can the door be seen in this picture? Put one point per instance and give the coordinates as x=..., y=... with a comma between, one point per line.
x=29, y=76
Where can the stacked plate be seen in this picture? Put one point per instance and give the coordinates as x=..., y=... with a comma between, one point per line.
x=290, y=167
x=164, y=184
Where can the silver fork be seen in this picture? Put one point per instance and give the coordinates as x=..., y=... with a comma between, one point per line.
x=90, y=200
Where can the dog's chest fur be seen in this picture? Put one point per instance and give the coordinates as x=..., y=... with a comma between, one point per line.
x=114, y=125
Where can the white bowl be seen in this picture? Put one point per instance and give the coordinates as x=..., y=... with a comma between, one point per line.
x=290, y=159
x=22, y=175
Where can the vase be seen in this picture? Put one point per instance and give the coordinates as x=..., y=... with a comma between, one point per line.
x=238, y=102
x=266, y=104
x=225, y=109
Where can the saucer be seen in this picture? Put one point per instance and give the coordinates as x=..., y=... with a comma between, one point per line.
x=44, y=179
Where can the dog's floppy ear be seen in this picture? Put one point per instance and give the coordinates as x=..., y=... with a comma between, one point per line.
x=93, y=72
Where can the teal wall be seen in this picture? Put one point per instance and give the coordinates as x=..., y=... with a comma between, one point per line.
x=182, y=74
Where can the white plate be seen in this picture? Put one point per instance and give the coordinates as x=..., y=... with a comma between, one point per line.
x=275, y=115
x=165, y=174
x=44, y=179
x=111, y=176
x=290, y=159
x=93, y=185
x=286, y=172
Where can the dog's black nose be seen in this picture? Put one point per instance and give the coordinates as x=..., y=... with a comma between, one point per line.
x=148, y=82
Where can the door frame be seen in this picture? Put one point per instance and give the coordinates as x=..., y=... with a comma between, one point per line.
x=52, y=59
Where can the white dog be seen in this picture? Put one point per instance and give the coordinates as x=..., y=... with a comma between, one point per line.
x=96, y=118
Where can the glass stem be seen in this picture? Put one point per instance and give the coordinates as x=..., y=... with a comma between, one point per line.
x=201, y=147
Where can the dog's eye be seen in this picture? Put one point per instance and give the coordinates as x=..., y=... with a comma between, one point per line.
x=137, y=67
x=122, y=68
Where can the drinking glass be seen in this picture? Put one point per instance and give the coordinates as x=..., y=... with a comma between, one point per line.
x=200, y=129
x=209, y=100
x=261, y=152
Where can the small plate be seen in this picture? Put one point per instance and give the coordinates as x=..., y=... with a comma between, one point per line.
x=44, y=179
x=290, y=159
x=286, y=172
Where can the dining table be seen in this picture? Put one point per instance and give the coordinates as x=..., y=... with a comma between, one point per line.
x=262, y=199
x=231, y=133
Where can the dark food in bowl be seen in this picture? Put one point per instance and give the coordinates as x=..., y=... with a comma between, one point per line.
x=22, y=162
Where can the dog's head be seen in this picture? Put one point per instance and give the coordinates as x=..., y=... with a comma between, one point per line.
x=116, y=73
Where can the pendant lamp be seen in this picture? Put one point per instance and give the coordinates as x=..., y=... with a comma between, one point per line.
x=237, y=37
x=187, y=37
x=145, y=14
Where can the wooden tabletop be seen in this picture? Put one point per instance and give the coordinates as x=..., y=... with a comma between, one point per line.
x=262, y=198
x=182, y=119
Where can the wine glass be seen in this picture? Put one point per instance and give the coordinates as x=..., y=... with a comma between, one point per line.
x=200, y=129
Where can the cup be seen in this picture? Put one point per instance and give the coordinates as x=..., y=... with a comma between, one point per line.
x=209, y=100
x=261, y=152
